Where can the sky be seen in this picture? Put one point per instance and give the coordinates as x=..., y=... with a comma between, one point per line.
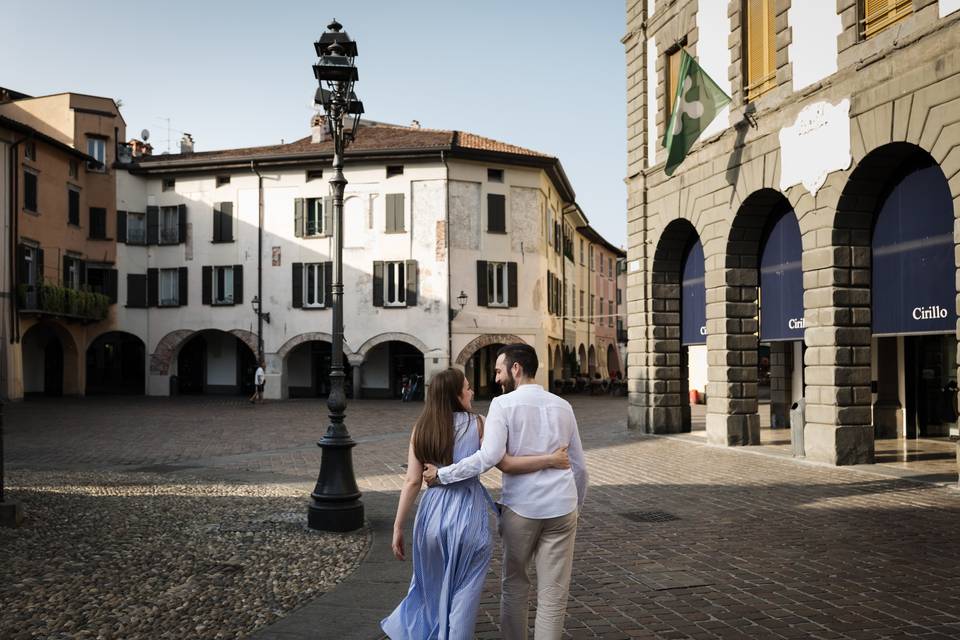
x=543, y=74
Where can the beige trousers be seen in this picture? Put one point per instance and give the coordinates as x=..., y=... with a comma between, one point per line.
x=550, y=543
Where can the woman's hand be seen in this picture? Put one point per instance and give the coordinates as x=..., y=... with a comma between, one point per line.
x=397, y=544
x=559, y=459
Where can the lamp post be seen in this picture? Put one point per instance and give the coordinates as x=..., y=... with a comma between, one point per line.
x=335, y=501
x=261, y=318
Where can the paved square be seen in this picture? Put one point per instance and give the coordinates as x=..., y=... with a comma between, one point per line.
x=677, y=539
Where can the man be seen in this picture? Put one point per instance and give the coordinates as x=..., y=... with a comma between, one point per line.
x=540, y=509
x=259, y=380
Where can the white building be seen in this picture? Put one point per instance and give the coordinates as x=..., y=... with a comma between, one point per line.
x=431, y=218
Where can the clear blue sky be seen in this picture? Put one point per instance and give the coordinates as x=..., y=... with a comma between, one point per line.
x=543, y=74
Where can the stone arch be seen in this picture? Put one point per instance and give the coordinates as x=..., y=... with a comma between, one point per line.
x=169, y=345
x=116, y=363
x=297, y=340
x=581, y=359
x=392, y=336
x=486, y=340
x=34, y=343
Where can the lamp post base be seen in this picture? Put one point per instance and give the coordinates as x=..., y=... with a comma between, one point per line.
x=335, y=502
x=335, y=516
x=11, y=516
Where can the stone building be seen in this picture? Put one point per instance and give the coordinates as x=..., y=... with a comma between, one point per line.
x=814, y=220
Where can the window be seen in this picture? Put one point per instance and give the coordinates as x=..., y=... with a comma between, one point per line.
x=673, y=72
x=581, y=304
x=601, y=264
x=169, y=287
x=71, y=272
x=223, y=222
x=496, y=213
x=30, y=150
x=314, y=174
x=136, y=228
x=30, y=275
x=169, y=225
x=610, y=267
x=592, y=303
x=97, y=149
x=29, y=191
x=610, y=314
x=98, y=223
x=314, y=218
x=314, y=285
x=73, y=207
x=619, y=296
x=582, y=260
x=395, y=289
x=223, y=285
x=168, y=184
x=759, y=48
x=101, y=278
x=593, y=266
x=394, y=213
x=497, y=294
x=222, y=180
x=136, y=290
x=600, y=311
x=74, y=169
x=394, y=170
x=494, y=175
x=877, y=15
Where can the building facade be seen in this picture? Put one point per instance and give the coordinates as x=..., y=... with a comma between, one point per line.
x=60, y=207
x=811, y=229
x=453, y=246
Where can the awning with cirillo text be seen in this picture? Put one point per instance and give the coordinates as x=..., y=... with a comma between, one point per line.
x=913, y=271
x=693, y=298
x=781, y=280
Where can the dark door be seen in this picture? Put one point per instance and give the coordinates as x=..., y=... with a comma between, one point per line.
x=53, y=368
x=246, y=368
x=191, y=366
x=925, y=383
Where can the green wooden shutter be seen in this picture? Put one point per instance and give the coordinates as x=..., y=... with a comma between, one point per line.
x=153, y=287
x=136, y=290
x=413, y=279
x=512, y=284
x=378, y=283
x=298, y=217
x=327, y=284
x=182, y=297
x=122, y=226
x=182, y=222
x=327, y=216
x=482, y=283
x=238, y=285
x=110, y=284
x=297, y=284
x=206, y=286
x=153, y=225
x=496, y=213
x=226, y=221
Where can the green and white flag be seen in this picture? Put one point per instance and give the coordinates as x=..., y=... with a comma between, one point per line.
x=696, y=102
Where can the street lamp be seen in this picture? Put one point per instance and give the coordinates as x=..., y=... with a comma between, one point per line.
x=335, y=501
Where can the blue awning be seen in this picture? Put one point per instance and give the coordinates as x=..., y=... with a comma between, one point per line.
x=913, y=275
x=693, y=298
x=781, y=281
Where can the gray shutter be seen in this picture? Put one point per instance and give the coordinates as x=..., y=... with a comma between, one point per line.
x=111, y=285
x=217, y=225
x=512, y=284
x=398, y=213
x=298, y=208
x=327, y=216
x=549, y=292
x=82, y=268
x=182, y=297
x=297, y=269
x=40, y=278
x=136, y=290
x=182, y=221
x=238, y=285
x=206, y=286
x=153, y=225
x=153, y=287
x=481, y=283
x=226, y=221
x=378, y=283
x=413, y=279
x=394, y=222
x=496, y=213
x=122, y=226
x=327, y=284
x=63, y=275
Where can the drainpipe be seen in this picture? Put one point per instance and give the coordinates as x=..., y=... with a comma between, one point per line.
x=253, y=168
x=446, y=235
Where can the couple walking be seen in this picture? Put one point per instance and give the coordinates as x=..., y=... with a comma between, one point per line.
x=541, y=499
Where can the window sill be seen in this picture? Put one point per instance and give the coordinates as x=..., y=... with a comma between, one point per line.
x=501, y=232
x=134, y=244
x=395, y=233
x=135, y=306
x=395, y=306
x=223, y=304
x=169, y=306
x=32, y=212
x=75, y=225
x=99, y=238
x=314, y=307
x=222, y=241
x=498, y=306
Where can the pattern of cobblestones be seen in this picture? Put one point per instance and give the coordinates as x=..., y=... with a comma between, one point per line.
x=737, y=546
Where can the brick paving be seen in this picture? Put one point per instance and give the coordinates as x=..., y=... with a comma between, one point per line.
x=737, y=546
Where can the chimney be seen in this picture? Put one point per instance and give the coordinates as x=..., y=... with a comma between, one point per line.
x=415, y=124
x=140, y=148
x=186, y=143
x=318, y=128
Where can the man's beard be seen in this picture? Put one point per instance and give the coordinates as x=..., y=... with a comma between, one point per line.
x=509, y=384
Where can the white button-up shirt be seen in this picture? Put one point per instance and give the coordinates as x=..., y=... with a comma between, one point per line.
x=526, y=422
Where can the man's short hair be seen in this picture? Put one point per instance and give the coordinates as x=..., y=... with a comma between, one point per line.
x=523, y=354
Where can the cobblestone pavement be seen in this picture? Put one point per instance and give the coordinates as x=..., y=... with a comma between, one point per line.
x=677, y=539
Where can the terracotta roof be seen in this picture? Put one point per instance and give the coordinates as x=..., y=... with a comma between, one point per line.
x=370, y=138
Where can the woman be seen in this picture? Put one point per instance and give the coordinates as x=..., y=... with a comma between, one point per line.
x=451, y=538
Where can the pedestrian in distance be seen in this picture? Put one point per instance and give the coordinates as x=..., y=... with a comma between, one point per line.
x=451, y=536
x=540, y=509
x=259, y=381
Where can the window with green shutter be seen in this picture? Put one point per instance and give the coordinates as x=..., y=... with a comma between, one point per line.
x=394, y=213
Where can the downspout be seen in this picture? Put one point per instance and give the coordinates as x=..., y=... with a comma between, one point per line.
x=591, y=318
x=253, y=168
x=446, y=240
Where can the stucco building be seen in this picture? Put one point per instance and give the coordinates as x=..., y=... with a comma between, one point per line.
x=813, y=224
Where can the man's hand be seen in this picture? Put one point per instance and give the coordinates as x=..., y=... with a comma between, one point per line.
x=559, y=459
x=430, y=475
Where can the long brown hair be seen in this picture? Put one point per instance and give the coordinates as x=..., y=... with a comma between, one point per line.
x=433, y=433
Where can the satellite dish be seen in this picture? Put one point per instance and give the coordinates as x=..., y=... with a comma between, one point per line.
x=145, y=135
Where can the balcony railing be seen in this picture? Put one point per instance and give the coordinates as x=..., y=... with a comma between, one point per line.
x=49, y=299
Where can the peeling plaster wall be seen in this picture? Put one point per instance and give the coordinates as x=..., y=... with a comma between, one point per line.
x=525, y=219
x=464, y=215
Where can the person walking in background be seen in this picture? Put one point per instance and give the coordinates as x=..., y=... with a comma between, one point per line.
x=540, y=509
x=259, y=381
x=451, y=536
